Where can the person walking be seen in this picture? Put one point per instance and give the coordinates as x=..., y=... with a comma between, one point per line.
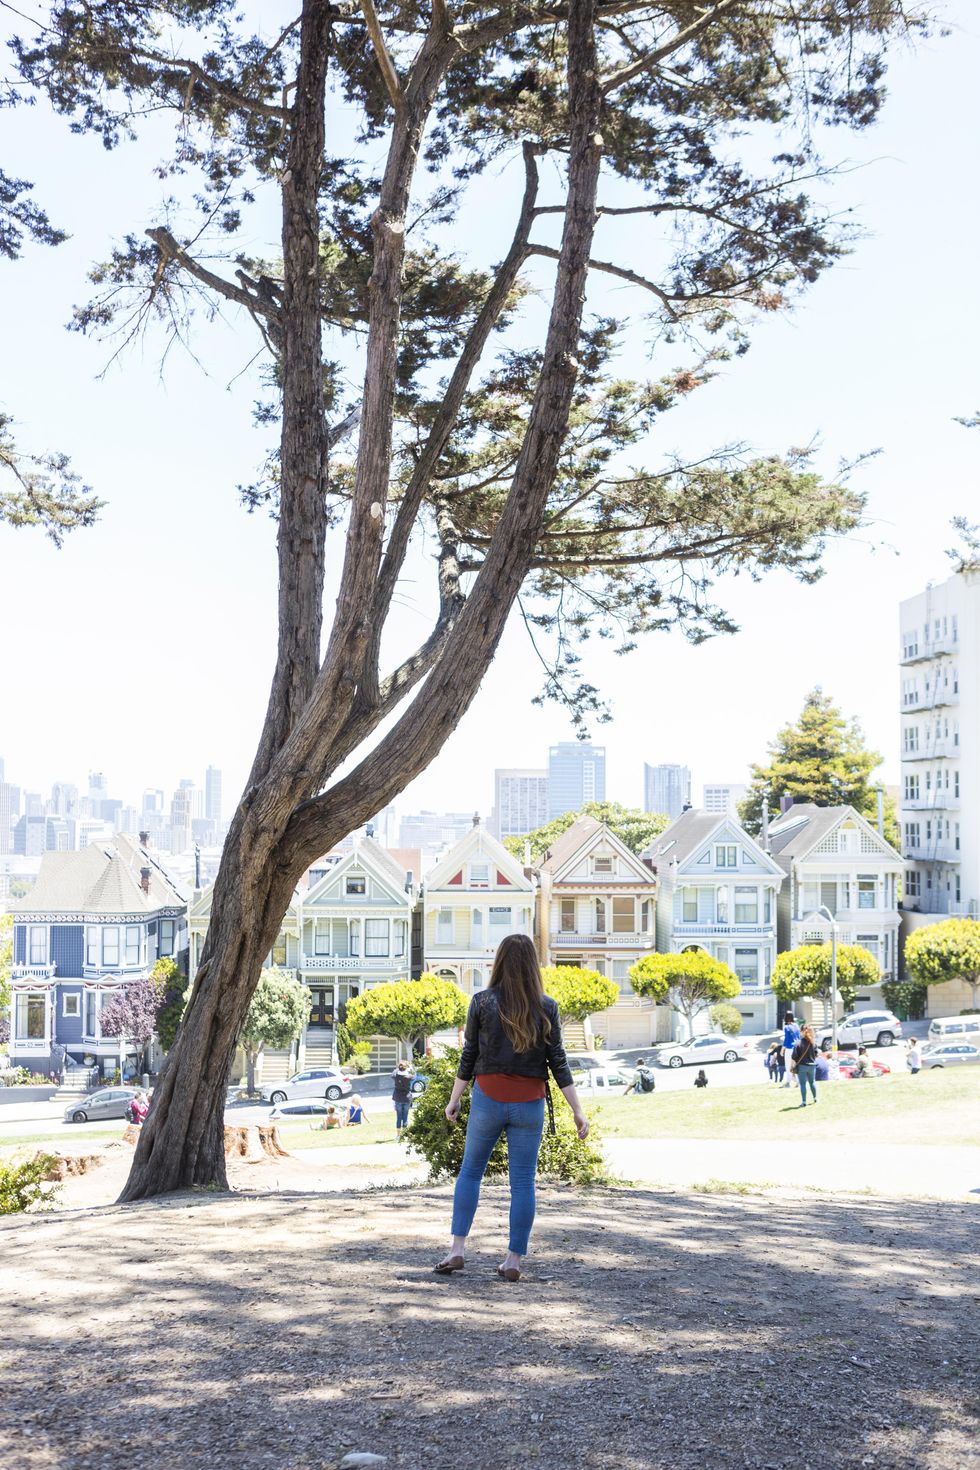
x=791, y=1035
x=773, y=1062
x=401, y=1095
x=913, y=1057
x=512, y=1041
x=805, y=1061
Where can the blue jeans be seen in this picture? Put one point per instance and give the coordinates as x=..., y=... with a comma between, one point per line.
x=523, y=1123
x=807, y=1071
x=401, y=1113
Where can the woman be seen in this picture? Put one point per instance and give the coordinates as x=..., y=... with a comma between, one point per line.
x=356, y=1113
x=805, y=1059
x=401, y=1095
x=512, y=1039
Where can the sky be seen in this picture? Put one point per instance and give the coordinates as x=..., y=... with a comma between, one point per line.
x=144, y=647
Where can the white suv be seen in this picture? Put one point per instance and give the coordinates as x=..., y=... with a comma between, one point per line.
x=879, y=1028
x=316, y=1082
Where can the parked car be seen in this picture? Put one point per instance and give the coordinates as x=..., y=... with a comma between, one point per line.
x=848, y=1067
x=951, y=1054
x=585, y=1062
x=608, y=1080
x=712, y=1048
x=108, y=1102
x=942, y=1027
x=879, y=1028
x=326, y=1082
x=298, y=1111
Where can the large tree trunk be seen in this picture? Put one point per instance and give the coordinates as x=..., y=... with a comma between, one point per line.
x=282, y=823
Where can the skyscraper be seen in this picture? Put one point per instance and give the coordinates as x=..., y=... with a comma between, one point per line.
x=520, y=801
x=576, y=774
x=212, y=795
x=722, y=797
x=9, y=812
x=666, y=789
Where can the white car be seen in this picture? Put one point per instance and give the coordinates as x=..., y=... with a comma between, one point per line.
x=951, y=1054
x=712, y=1048
x=326, y=1082
x=861, y=1028
x=596, y=1080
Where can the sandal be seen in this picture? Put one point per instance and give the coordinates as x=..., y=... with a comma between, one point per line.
x=451, y=1264
x=510, y=1273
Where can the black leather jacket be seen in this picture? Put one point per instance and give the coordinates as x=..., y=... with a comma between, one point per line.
x=487, y=1049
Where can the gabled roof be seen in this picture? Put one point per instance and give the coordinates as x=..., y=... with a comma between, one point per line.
x=693, y=830
x=476, y=840
x=101, y=879
x=581, y=838
x=372, y=856
x=804, y=825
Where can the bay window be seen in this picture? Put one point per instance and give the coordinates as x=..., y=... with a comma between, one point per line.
x=444, y=926
x=167, y=935
x=38, y=944
x=567, y=912
x=747, y=966
x=600, y=916
x=747, y=907
x=132, y=944
x=321, y=936
x=91, y=1013
x=624, y=915
x=110, y=944
x=92, y=956
x=500, y=923
x=867, y=890
x=375, y=937
x=30, y=1016
x=689, y=905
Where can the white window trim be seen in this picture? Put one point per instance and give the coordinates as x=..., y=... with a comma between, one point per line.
x=76, y=1014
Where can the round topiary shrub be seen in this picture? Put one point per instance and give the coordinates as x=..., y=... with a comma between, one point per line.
x=563, y=1154
x=726, y=1018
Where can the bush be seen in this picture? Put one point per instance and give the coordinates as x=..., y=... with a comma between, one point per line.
x=359, y=1060
x=24, y=1185
x=21, y=1077
x=905, y=997
x=726, y=1018
x=345, y=1043
x=563, y=1155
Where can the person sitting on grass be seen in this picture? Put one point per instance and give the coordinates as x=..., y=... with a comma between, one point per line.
x=356, y=1113
x=331, y=1119
x=643, y=1079
x=865, y=1066
x=701, y=1080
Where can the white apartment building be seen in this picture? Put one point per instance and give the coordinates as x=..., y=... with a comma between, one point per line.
x=721, y=798
x=940, y=719
x=520, y=801
x=835, y=860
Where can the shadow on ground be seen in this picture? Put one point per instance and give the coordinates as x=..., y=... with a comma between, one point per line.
x=655, y=1330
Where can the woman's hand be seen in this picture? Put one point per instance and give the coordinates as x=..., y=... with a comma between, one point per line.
x=581, y=1125
x=452, y=1111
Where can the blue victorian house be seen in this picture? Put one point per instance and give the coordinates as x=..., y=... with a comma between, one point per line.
x=94, y=921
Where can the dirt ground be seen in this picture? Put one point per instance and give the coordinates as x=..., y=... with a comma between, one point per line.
x=654, y=1329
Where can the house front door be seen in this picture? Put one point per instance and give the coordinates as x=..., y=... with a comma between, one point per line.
x=321, y=1013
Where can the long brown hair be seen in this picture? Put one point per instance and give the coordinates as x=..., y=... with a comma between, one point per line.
x=516, y=978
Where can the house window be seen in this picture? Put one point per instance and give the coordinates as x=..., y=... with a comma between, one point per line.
x=957, y=836
x=912, y=788
x=375, y=937
x=110, y=944
x=401, y=932
x=689, y=905
x=747, y=906
x=29, y=1017
x=867, y=892
x=92, y=947
x=910, y=694
x=600, y=916
x=624, y=915
x=956, y=783
x=444, y=926
x=567, y=911
x=91, y=1012
x=476, y=934
x=355, y=936
x=910, y=738
x=279, y=953
x=71, y=1006
x=726, y=856
x=954, y=629
x=956, y=681
x=321, y=936
x=746, y=966
x=911, y=834
x=910, y=644
x=132, y=944
x=870, y=942
x=721, y=905
x=602, y=864
x=355, y=885
x=621, y=975
x=500, y=923
x=911, y=883
x=479, y=875
x=646, y=914
x=38, y=944
x=768, y=893
x=167, y=927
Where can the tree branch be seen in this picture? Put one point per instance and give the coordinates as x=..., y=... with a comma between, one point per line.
x=653, y=58
x=385, y=64
x=614, y=270
x=253, y=302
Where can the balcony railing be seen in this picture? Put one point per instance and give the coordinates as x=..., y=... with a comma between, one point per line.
x=42, y=974
x=688, y=928
x=931, y=852
x=578, y=939
x=122, y=973
x=929, y=801
x=335, y=962
x=939, y=750
x=920, y=651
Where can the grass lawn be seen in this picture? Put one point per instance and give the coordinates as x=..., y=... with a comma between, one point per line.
x=935, y=1107
x=381, y=1129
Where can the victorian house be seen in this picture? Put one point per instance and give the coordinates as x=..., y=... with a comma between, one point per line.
x=350, y=929
x=473, y=896
x=837, y=862
x=718, y=892
x=596, y=909
x=94, y=921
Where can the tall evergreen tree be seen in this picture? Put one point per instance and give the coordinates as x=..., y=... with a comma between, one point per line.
x=637, y=829
x=505, y=442
x=822, y=759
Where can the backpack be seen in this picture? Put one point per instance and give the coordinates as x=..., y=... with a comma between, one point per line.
x=645, y=1079
x=131, y=1113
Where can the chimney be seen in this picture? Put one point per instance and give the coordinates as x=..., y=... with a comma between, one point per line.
x=144, y=839
x=476, y=819
x=686, y=807
x=785, y=803
x=197, y=865
x=527, y=853
x=369, y=830
x=409, y=880
x=145, y=879
x=880, y=795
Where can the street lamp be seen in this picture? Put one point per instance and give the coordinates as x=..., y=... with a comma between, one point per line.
x=825, y=911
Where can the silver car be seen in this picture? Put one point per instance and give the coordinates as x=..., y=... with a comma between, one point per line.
x=326, y=1082
x=108, y=1102
x=864, y=1028
x=712, y=1048
x=951, y=1054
